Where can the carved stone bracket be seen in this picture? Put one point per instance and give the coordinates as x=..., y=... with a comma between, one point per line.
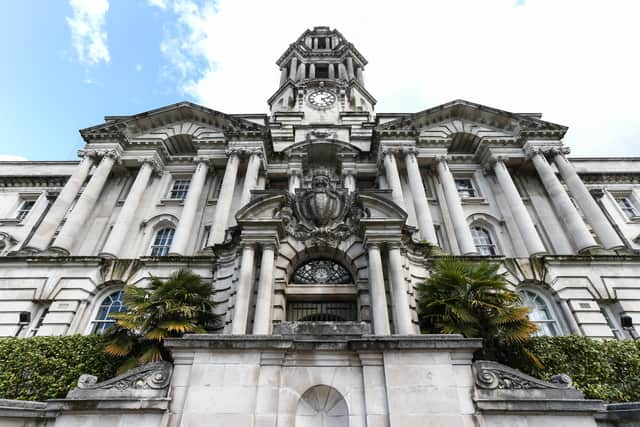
x=150, y=380
x=492, y=375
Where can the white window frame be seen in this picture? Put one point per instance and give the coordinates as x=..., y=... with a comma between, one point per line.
x=179, y=181
x=630, y=212
x=471, y=188
x=95, y=324
x=165, y=246
x=547, y=307
x=478, y=245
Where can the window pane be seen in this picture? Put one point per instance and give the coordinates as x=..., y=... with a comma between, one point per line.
x=25, y=208
x=465, y=188
x=539, y=313
x=180, y=189
x=111, y=304
x=483, y=242
x=162, y=242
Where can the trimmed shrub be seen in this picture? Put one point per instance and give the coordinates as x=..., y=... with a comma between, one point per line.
x=41, y=368
x=601, y=369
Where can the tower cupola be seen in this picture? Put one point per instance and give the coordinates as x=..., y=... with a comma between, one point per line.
x=321, y=58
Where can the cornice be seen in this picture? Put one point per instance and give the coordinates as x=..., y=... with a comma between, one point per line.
x=33, y=181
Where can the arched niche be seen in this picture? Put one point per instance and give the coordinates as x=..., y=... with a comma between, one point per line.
x=322, y=406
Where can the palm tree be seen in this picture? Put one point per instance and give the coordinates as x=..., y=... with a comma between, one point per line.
x=167, y=308
x=474, y=300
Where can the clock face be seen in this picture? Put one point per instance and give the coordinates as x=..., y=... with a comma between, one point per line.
x=322, y=98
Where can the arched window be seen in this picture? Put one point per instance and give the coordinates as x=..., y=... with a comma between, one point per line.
x=483, y=241
x=321, y=271
x=162, y=242
x=539, y=313
x=113, y=303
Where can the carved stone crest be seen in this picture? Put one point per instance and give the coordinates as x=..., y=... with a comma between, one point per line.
x=322, y=213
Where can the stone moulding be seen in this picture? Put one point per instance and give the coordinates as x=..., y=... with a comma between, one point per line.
x=148, y=381
x=499, y=388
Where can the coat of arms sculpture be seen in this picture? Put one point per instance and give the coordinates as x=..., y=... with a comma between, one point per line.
x=322, y=213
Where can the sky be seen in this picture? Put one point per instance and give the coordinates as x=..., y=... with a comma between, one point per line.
x=68, y=63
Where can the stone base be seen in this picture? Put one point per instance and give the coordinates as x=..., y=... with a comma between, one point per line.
x=340, y=381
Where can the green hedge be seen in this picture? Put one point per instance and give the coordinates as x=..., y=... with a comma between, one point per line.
x=608, y=370
x=43, y=368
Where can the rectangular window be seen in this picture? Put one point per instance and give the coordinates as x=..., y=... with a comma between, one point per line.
x=628, y=208
x=465, y=188
x=205, y=236
x=25, y=208
x=180, y=189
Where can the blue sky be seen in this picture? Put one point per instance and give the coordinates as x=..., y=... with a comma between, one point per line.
x=68, y=63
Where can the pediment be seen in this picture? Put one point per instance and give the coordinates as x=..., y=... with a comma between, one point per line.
x=463, y=117
x=184, y=118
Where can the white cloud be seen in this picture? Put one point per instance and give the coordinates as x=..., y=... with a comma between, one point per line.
x=571, y=60
x=162, y=4
x=88, y=34
x=12, y=158
x=138, y=67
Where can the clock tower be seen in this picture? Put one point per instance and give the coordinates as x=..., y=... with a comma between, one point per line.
x=322, y=76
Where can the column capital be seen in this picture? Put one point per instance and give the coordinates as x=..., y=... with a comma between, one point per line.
x=394, y=245
x=372, y=245
x=156, y=165
x=269, y=245
x=91, y=154
x=441, y=158
x=562, y=151
x=597, y=193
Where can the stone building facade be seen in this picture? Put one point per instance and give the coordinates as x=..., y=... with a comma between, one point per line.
x=315, y=223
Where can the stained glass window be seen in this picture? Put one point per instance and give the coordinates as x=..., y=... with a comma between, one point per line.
x=321, y=271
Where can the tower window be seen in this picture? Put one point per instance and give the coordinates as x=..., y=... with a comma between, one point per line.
x=322, y=43
x=322, y=71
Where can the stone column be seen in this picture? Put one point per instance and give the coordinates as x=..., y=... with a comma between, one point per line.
x=423, y=213
x=569, y=215
x=129, y=209
x=393, y=179
x=293, y=68
x=225, y=197
x=312, y=71
x=80, y=213
x=189, y=210
x=452, y=198
x=262, y=318
x=360, y=76
x=589, y=206
x=378, y=296
x=250, y=178
x=350, y=70
x=520, y=214
x=41, y=239
x=243, y=292
x=399, y=296
x=283, y=75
